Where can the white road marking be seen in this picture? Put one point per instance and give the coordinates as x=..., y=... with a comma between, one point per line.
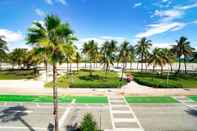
x=61, y=120
x=22, y=128
x=110, y=110
x=133, y=113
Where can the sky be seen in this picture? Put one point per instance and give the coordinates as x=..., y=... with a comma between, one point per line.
x=162, y=21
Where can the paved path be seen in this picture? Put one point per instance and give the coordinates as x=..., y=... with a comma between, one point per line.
x=122, y=115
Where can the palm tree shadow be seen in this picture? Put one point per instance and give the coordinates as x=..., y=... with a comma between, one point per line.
x=15, y=113
x=192, y=112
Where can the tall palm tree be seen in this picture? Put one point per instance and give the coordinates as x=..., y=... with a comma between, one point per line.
x=158, y=58
x=84, y=51
x=78, y=58
x=182, y=48
x=92, y=50
x=124, y=55
x=69, y=51
x=52, y=35
x=3, y=49
x=170, y=57
x=108, y=51
x=131, y=55
x=17, y=57
x=142, y=50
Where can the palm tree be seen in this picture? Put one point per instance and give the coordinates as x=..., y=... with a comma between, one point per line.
x=170, y=57
x=69, y=51
x=108, y=51
x=52, y=35
x=78, y=58
x=3, y=49
x=92, y=50
x=158, y=58
x=84, y=51
x=124, y=55
x=182, y=48
x=17, y=57
x=142, y=50
x=131, y=55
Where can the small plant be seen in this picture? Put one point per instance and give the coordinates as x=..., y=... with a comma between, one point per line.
x=88, y=124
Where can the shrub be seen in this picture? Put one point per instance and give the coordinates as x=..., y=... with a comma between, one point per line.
x=88, y=124
x=158, y=83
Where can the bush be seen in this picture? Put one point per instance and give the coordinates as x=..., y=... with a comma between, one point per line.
x=82, y=79
x=88, y=124
x=158, y=83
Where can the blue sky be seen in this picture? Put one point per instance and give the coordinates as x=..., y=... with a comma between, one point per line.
x=162, y=21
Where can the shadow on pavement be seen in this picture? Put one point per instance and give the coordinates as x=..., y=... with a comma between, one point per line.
x=192, y=112
x=72, y=127
x=15, y=113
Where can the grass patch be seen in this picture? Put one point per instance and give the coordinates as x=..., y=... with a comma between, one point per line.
x=151, y=99
x=49, y=99
x=157, y=81
x=82, y=79
x=17, y=74
x=194, y=98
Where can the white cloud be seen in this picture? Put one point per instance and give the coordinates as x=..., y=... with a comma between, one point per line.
x=186, y=7
x=194, y=22
x=167, y=21
x=50, y=2
x=168, y=15
x=62, y=2
x=164, y=0
x=11, y=36
x=161, y=45
x=40, y=12
x=154, y=29
x=137, y=5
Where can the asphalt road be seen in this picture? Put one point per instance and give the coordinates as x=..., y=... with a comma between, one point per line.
x=171, y=117
x=153, y=117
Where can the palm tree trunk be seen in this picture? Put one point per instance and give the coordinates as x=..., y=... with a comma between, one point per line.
x=90, y=68
x=122, y=72
x=70, y=67
x=153, y=68
x=55, y=99
x=185, y=65
x=77, y=66
x=171, y=67
x=46, y=70
x=179, y=64
x=137, y=65
x=161, y=70
x=142, y=62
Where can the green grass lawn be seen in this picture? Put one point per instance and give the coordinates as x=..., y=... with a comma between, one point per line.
x=150, y=99
x=49, y=99
x=17, y=74
x=82, y=79
x=194, y=98
x=157, y=81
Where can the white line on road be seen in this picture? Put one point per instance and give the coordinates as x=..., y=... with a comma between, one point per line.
x=22, y=128
x=133, y=113
x=61, y=120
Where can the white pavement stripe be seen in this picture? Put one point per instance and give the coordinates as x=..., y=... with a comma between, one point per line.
x=120, y=112
x=128, y=129
x=133, y=113
x=61, y=121
x=22, y=128
x=113, y=123
x=124, y=120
